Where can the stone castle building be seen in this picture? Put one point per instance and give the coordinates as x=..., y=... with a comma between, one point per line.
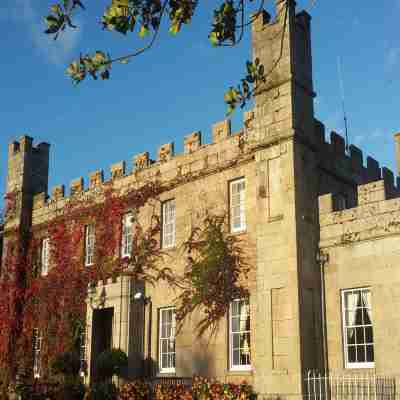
x=323, y=226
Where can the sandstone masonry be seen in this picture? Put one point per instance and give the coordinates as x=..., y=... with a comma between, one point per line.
x=318, y=221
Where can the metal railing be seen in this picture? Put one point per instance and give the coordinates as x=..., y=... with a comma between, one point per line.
x=323, y=386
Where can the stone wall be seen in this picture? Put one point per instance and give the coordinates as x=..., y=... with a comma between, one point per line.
x=362, y=245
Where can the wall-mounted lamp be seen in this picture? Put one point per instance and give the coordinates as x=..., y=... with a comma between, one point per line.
x=139, y=296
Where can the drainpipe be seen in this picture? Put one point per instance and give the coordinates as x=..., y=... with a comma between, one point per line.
x=149, y=366
x=322, y=259
x=120, y=312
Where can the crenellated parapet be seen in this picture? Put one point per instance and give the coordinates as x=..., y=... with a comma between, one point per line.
x=118, y=170
x=198, y=159
x=96, y=179
x=192, y=142
x=377, y=214
x=348, y=165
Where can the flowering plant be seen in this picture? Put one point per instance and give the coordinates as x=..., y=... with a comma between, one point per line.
x=136, y=390
x=204, y=389
x=173, y=392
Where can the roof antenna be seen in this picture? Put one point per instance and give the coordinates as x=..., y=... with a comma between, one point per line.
x=343, y=103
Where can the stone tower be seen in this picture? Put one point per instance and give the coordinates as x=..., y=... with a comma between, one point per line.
x=28, y=170
x=281, y=132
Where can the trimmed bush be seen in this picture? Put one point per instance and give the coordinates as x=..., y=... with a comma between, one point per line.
x=111, y=362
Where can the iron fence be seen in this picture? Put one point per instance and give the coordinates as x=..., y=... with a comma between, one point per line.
x=323, y=386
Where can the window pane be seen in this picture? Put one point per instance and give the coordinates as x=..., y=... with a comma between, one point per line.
x=360, y=335
x=164, y=361
x=368, y=335
x=235, y=324
x=361, y=354
x=236, y=357
x=351, y=336
x=171, y=363
x=352, y=354
x=236, y=340
x=366, y=319
x=370, y=353
x=245, y=341
x=235, y=308
x=359, y=318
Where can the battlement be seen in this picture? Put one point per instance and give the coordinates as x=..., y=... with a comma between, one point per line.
x=25, y=145
x=377, y=213
x=349, y=165
x=28, y=166
x=167, y=165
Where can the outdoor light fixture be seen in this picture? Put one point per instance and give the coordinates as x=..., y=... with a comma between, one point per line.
x=140, y=296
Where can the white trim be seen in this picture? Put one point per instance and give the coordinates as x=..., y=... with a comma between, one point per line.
x=241, y=205
x=168, y=370
x=244, y=367
x=347, y=363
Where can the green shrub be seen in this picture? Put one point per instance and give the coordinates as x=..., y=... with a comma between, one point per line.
x=67, y=364
x=111, y=362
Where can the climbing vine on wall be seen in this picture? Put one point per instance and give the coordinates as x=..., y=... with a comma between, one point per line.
x=216, y=274
x=55, y=304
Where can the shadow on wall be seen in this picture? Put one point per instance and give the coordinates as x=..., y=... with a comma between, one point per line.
x=197, y=359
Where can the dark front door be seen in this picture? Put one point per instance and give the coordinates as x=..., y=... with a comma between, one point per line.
x=102, y=323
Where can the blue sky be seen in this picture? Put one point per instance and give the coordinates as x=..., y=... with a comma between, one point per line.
x=178, y=86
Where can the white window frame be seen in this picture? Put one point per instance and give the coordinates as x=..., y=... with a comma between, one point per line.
x=168, y=339
x=168, y=224
x=232, y=366
x=345, y=327
x=237, y=205
x=127, y=235
x=90, y=240
x=37, y=349
x=45, y=257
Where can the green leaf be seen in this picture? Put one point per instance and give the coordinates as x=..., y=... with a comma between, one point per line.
x=56, y=9
x=144, y=31
x=175, y=28
x=214, y=38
